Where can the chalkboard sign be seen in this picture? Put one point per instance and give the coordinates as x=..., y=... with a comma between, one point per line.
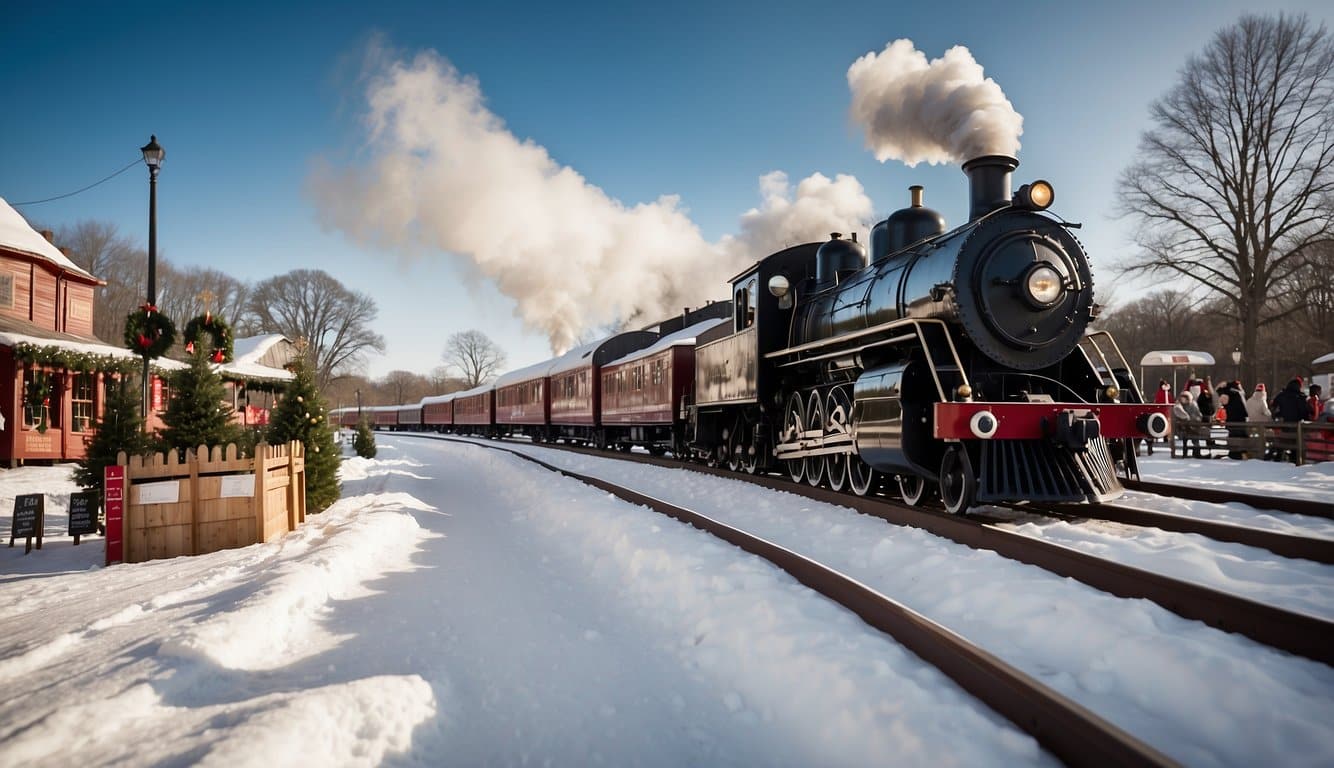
x=29, y=519
x=82, y=515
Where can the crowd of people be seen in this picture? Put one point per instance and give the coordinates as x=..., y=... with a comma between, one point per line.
x=1201, y=405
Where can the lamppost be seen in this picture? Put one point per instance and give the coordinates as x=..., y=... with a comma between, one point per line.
x=1236, y=361
x=358, y=407
x=153, y=154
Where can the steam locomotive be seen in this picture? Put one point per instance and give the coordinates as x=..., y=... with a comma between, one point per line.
x=955, y=360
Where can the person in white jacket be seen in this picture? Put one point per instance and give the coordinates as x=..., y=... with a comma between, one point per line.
x=1257, y=406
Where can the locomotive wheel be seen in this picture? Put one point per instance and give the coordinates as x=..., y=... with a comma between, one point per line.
x=734, y=447
x=794, y=424
x=912, y=488
x=861, y=478
x=815, y=465
x=839, y=408
x=750, y=459
x=958, y=486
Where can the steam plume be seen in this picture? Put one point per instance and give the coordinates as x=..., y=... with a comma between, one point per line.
x=446, y=175
x=940, y=111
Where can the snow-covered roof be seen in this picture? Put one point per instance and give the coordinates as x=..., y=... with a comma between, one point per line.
x=1323, y=359
x=435, y=399
x=17, y=235
x=575, y=358
x=475, y=391
x=251, y=348
x=11, y=339
x=241, y=370
x=1177, y=357
x=527, y=373
x=684, y=337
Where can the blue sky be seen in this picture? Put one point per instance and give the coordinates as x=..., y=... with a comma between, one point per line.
x=696, y=100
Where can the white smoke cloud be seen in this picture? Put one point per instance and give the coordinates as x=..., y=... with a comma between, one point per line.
x=445, y=175
x=941, y=111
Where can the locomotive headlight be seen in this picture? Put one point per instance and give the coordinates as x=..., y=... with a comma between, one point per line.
x=1037, y=196
x=1044, y=285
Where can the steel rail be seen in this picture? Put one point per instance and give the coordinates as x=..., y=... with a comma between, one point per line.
x=1296, y=633
x=1285, y=544
x=1220, y=496
x=1067, y=729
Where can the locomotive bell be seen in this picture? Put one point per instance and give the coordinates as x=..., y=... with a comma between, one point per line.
x=905, y=227
x=838, y=256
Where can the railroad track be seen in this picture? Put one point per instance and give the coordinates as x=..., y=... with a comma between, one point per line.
x=1220, y=496
x=1063, y=727
x=1297, y=633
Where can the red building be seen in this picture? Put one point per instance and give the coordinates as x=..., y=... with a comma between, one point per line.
x=54, y=371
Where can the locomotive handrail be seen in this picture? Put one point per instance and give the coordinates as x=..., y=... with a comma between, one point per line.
x=1091, y=338
x=917, y=326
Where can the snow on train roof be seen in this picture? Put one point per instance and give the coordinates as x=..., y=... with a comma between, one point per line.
x=436, y=399
x=683, y=337
x=575, y=358
x=475, y=391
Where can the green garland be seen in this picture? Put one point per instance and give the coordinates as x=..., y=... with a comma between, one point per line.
x=148, y=332
x=218, y=329
x=71, y=360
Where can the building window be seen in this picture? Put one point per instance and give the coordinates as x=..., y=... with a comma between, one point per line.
x=81, y=402
x=7, y=290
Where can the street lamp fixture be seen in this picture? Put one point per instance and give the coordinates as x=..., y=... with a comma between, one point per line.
x=1236, y=361
x=153, y=155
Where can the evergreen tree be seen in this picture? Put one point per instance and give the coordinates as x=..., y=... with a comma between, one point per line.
x=119, y=429
x=364, y=441
x=301, y=415
x=197, y=413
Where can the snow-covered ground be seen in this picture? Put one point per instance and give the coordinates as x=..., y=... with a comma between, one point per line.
x=460, y=606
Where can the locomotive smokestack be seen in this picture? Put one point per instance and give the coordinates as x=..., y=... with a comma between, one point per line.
x=916, y=192
x=988, y=183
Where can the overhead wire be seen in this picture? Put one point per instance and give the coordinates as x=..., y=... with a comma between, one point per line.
x=133, y=163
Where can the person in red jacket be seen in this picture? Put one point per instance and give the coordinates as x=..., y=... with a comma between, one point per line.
x=1316, y=402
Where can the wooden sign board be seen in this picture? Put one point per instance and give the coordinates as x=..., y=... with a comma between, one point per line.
x=114, y=491
x=29, y=519
x=82, y=515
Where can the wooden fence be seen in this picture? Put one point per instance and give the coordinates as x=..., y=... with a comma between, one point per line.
x=1302, y=442
x=212, y=500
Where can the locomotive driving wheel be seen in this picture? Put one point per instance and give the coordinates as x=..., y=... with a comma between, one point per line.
x=839, y=408
x=794, y=424
x=912, y=488
x=861, y=478
x=815, y=465
x=958, y=486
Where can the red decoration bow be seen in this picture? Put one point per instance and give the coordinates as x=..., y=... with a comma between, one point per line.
x=189, y=347
x=217, y=355
x=144, y=341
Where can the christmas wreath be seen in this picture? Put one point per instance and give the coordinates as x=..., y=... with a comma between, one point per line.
x=37, y=397
x=149, y=332
x=219, y=332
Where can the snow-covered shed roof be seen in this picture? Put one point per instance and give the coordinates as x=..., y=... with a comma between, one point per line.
x=246, y=354
x=1177, y=357
x=16, y=234
x=250, y=349
x=1323, y=359
x=684, y=337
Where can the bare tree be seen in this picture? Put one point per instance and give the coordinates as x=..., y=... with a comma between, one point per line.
x=310, y=304
x=1229, y=187
x=474, y=355
x=100, y=249
x=1167, y=319
x=403, y=387
x=184, y=293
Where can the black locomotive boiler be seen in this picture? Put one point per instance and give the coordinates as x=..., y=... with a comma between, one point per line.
x=951, y=359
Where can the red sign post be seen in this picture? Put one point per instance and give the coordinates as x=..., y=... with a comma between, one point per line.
x=115, y=508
